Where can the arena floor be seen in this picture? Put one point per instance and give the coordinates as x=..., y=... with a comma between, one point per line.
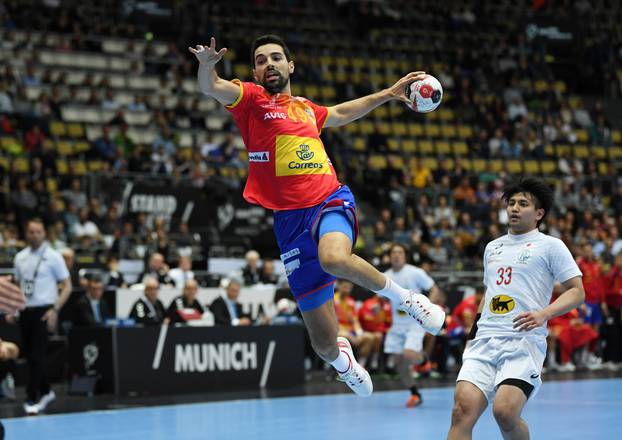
x=565, y=409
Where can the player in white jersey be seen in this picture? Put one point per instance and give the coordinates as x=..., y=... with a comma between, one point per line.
x=404, y=339
x=503, y=361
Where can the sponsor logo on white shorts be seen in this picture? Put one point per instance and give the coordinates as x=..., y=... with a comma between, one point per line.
x=259, y=156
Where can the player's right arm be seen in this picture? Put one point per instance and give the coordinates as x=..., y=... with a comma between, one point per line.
x=224, y=91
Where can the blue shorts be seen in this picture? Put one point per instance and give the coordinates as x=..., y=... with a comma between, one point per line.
x=297, y=233
x=594, y=314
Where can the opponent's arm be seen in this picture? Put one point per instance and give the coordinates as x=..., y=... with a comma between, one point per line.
x=435, y=295
x=480, y=308
x=210, y=83
x=344, y=113
x=571, y=297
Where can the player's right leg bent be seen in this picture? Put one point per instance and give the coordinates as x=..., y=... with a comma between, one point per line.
x=313, y=290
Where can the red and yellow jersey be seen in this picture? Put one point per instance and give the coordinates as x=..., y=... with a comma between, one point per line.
x=593, y=281
x=288, y=167
x=375, y=315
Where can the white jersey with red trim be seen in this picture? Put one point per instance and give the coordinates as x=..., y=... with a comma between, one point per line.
x=519, y=274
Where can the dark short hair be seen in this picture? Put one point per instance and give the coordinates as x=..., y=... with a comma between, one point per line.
x=400, y=245
x=268, y=39
x=35, y=220
x=539, y=190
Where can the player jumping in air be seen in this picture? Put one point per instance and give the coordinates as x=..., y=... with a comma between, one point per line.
x=314, y=215
x=503, y=360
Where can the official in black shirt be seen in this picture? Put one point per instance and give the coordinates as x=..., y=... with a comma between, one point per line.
x=187, y=300
x=149, y=310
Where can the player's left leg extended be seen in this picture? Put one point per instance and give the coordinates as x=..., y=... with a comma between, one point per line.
x=321, y=322
x=507, y=407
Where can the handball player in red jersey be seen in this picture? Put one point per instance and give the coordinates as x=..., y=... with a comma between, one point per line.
x=314, y=215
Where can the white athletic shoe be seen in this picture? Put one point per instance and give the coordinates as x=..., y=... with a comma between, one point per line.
x=356, y=377
x=31, y=409
x=568, y=367
x=430, y=316
x=46, y=400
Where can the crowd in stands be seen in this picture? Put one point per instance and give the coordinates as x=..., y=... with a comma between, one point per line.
x=85, y=93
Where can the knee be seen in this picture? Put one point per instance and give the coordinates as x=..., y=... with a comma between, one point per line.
x=333, y=261
x=505, y=416
x=413, y=357
x=459, y=414
x=463, y=414
x=325, y=344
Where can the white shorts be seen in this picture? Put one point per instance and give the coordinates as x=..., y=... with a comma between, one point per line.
x=407, y=338
x=489, y=361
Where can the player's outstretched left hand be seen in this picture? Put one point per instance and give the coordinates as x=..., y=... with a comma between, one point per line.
x=529, y=320
x=398, y=90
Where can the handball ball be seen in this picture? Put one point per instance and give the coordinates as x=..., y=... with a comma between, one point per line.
x=425, y=94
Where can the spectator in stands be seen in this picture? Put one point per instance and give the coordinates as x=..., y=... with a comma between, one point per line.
x=6, y=103
x=158, y=269
x=69, y=256
x=149, y=310
x=105, y=147
x=267, y=274
x=250, y=272
x=183, y=273
x=90, y=309
x=375, y=315
x=187, y=300
x=164, y=144
x=85, y=230
x=227, y=310
x=75, y=195
x=123, y=142
x=23, y=200
x=115, y=278
x=366, y=344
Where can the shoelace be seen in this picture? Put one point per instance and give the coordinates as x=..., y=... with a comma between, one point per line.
x=353, y=377
x=416, y=309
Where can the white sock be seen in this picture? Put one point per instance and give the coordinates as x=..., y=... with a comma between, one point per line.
x=342, y=363
x=393, y=291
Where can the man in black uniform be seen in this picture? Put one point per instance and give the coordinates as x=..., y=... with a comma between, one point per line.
x=187, y=300
x=149, y=310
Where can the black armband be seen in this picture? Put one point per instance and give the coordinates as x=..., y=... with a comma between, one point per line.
x=473, y=331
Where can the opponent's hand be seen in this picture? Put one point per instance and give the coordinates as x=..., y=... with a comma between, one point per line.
x=398, y=90
x=208, y=54
x=529, y=320
x=12, y=298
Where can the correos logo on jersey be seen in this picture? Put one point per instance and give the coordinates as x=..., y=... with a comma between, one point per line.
x=300, y=155
x=502, y=304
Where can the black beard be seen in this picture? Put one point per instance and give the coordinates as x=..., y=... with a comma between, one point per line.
x=275, y=87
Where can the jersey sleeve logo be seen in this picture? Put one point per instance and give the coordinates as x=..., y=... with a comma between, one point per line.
x=296, y=155
x=502, y=304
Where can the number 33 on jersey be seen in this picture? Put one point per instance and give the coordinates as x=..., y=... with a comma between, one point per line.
x=519, y=274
